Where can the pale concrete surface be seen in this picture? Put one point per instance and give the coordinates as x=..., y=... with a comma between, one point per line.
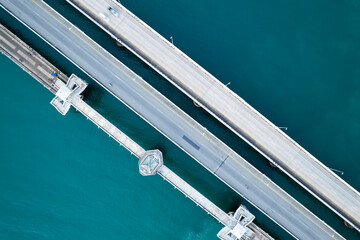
x=226, y=106
x=170, y=120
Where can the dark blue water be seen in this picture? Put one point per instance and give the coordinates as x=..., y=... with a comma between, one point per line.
x=295, y=62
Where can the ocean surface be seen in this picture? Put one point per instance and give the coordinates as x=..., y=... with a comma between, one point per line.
x=297, y=62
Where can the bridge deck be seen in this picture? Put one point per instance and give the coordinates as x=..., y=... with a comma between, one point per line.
x=195, y=196
x=29, y=60
x=12, y=47
x=169, y=119
x=226, y=106
x=107, y=127
x=207, y=205
x=41, y=69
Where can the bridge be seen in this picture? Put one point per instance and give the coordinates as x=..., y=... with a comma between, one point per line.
x=167, y=118
x=225, y=105
x=237, y=226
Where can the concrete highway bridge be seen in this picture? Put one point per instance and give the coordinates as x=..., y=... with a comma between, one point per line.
x=225, y=105
x=167, y=118
x=68, y=91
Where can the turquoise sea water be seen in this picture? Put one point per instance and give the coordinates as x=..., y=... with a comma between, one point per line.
x=297, y=62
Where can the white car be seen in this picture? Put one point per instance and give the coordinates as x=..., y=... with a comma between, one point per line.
x=103, y=16
x=113, y=11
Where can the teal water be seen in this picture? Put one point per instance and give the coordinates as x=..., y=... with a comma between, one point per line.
x=295, y=62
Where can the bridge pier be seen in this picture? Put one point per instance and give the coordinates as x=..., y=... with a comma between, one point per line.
x=196, y=104
x=272, y=164
x=348, y=225
x=119, y=44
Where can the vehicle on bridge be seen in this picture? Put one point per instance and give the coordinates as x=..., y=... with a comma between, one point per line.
x=103, y=16
x=113, y=12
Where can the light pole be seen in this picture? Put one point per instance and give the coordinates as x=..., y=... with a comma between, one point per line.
x=285, y=128
x=335, y=170
x=227, y=84
x=172, y=40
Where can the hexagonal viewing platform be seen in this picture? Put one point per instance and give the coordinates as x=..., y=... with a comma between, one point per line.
x=150, y=162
